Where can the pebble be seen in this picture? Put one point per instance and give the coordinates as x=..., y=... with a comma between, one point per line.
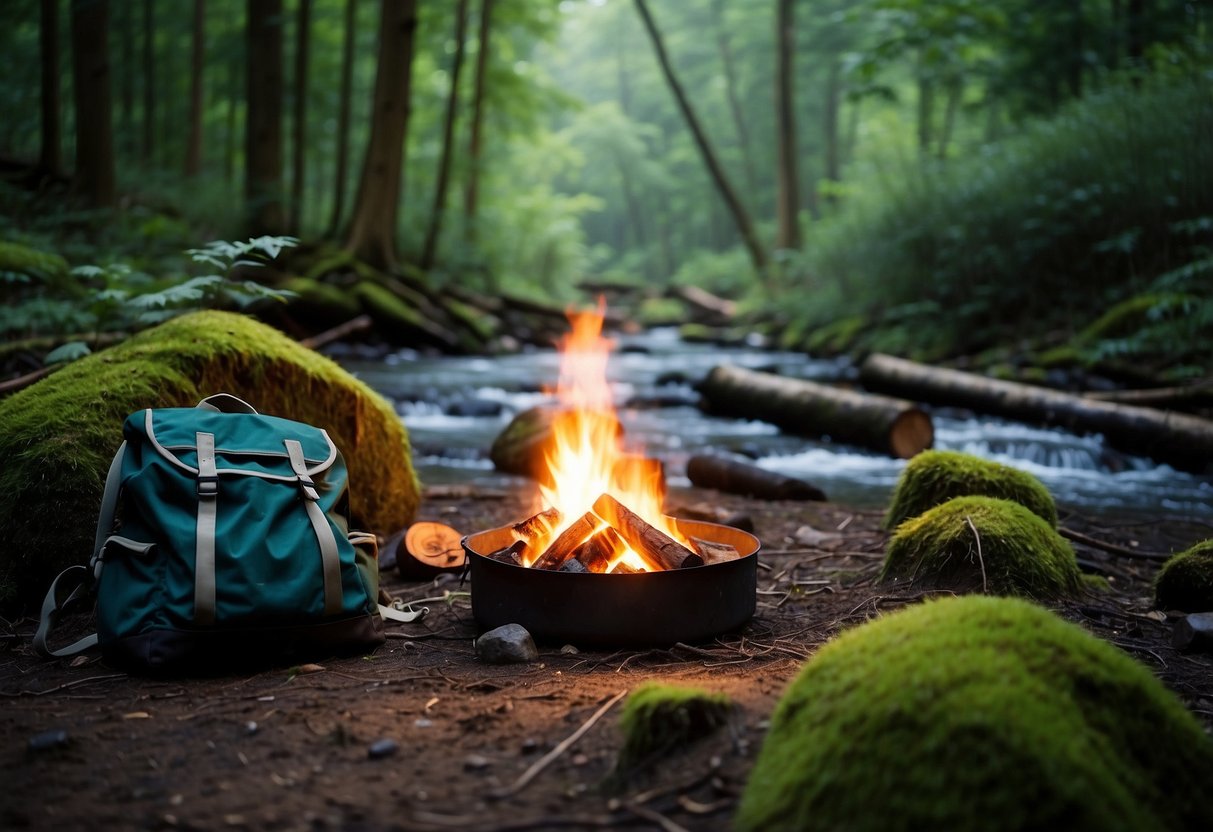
x=530, y=745
x=381, y=748
x=49, y=740
x=250, y=727
x=474, y=762
x=570, y=649
x=510, y=643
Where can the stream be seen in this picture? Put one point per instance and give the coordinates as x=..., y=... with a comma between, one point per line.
x=453, y=407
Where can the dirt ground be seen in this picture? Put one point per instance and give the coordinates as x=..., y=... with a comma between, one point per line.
x=284, y=749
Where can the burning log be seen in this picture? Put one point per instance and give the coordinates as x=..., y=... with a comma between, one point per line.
x=561, y=549
x=511, y=554
x=596, y=553
x=536, y=528
x=573, y=565
x=622, y=568
x=713, y=551
x=735, y=477
x=657, y=549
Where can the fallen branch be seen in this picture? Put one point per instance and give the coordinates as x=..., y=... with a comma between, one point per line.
x=1111, y=548
x=534, y=771
x=320, y=339
x=980, y=559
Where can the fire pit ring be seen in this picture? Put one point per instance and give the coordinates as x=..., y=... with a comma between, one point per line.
x=647, y=609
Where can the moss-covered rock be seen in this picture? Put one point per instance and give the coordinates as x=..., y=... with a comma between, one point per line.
x=20, y=259
x=1185, y=581
x=975, y=544
x=57, y=437
x=934, y=477
x=978, y=714
x=658, y=719
x=524, y=445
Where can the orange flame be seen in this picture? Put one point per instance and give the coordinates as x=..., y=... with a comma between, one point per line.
x=587, y=457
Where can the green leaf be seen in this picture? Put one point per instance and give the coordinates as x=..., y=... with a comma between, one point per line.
x=68, y=352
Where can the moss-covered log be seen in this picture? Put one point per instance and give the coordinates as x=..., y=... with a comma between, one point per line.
x=891, y=426
x=1182, y=440
x=972, y=714
x=57, y=437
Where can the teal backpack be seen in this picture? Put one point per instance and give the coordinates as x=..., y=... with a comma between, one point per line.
x=224, y=538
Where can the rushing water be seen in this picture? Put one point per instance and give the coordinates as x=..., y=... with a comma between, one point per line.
x=455, y=406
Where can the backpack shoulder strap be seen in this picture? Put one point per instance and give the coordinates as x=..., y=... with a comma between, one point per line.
x=87, y=580
x=226, y=403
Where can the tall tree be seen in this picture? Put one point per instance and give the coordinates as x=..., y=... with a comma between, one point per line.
x=787, y=193
x=741, y=217
x=149, y=79
x=343, y=117
x=830, y=128
x=263, y=123
x=472, y=189
x=299, y=125
x=126, y=121
x=50, y=159
x=193, y=147
x=733, y=94
x=91, y=89
x=372, y=234
x=448, y=139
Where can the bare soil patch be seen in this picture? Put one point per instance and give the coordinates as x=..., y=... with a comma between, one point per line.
x=285, y=749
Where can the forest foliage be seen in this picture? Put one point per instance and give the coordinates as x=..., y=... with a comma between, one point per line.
x=929, y=177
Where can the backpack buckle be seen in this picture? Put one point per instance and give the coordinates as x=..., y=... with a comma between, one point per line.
x=208, y=486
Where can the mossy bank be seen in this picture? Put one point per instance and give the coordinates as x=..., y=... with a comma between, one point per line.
x=57, y=437
x=978, y=713
x=1185, y=582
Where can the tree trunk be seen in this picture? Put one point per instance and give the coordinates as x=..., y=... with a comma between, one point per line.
x=734, y=98
x=149, y=80
x=126, y=123
x=1135, y=41
x=372, y=235
x=448, y=139
x=50, y=158
x=787, y=181
x=1076, y=47
x=343, y=117
x=1184, y=441
x=892, y=426
x=833, y=162
x=299, y=134
x=741, y=217
x=471, y=193
x=736, y=477
x=91, y=77
x=926, y=111
x=229, y=142
x=955, y=93
x=263, y=121
x=193, y=148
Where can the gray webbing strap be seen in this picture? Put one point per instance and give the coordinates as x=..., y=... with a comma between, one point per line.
x=204, y=545
x=329, y=557
x=109, y=505
x=50, y=611
x=226, y=403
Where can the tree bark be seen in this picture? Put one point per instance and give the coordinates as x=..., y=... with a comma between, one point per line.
x=263, y=121
x=299, y=124
x=229, y=142
x=343, y=117
x=193, y=148
x=472, y=190
x=736, y=477
x=448, y=139
x=126, y=123
x=733, y=95
x=149, y=80
x=372, y=235
x=787, y=199
x=1076, y=47
x=91, y=76
x=50, y=158
x=741, y=217
x=893, y=426
x=955, y=93
x=833, y=159
x=1181, y=440
x=926, y=112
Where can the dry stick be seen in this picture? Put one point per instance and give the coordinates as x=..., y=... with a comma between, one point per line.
x=980, y=560
x=338, y=332
x=654, y=817
x=534, y=771
x=1112, y=548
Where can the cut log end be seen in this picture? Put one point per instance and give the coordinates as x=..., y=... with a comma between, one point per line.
x=911, y=433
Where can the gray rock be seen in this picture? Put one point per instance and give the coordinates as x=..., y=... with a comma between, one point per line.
x=49, y=740
x=475, y=762
x=507, y=644
x=381, y=748
x=1194, y=633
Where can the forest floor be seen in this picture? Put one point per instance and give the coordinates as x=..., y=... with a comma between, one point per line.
x=282, y=749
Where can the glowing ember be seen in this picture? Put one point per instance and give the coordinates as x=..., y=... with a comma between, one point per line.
x=587, y=458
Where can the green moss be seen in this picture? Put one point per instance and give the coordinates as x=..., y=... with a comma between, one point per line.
x=660, y=311
x=983, y=714
x=658, y=719
x=57, y=437
x=20, y=259
x=319, y=300
x=698, y=333
x=1012, y=551
x=1125, y=318
x=837, y=336
x=1185, y=581
x=934, y=477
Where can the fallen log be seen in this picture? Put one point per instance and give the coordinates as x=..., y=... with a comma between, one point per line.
x=893, y=426
x=1185, y=397
x=736, y=477
x=320, y=339
x=709, y=305
x=1179, y=439
x=658, y=550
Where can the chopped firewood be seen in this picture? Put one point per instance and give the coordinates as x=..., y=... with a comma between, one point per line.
x=511, y=554
x=633, y=473
x=561, y=549
x=657, y=549
x=429, y=549
x=538, y=526
x=572, y=565
x=622, y=568
x=596, y=553
x=714, y=552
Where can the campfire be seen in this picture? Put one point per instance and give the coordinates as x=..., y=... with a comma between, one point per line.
x=601, y=506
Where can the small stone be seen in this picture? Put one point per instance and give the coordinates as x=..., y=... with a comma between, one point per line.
x=381, y=748
x=422, y=722
x=474, y=762
x=507, y=644
x=49, y=740
x=579, y=759
x=530, y=745
x=570, y=649
x=250, y=727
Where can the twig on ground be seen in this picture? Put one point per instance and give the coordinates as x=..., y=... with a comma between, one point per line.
x=1111, y=548
x=533, y=772
x=65, y=686
x=654, y=817
x=985, y=590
